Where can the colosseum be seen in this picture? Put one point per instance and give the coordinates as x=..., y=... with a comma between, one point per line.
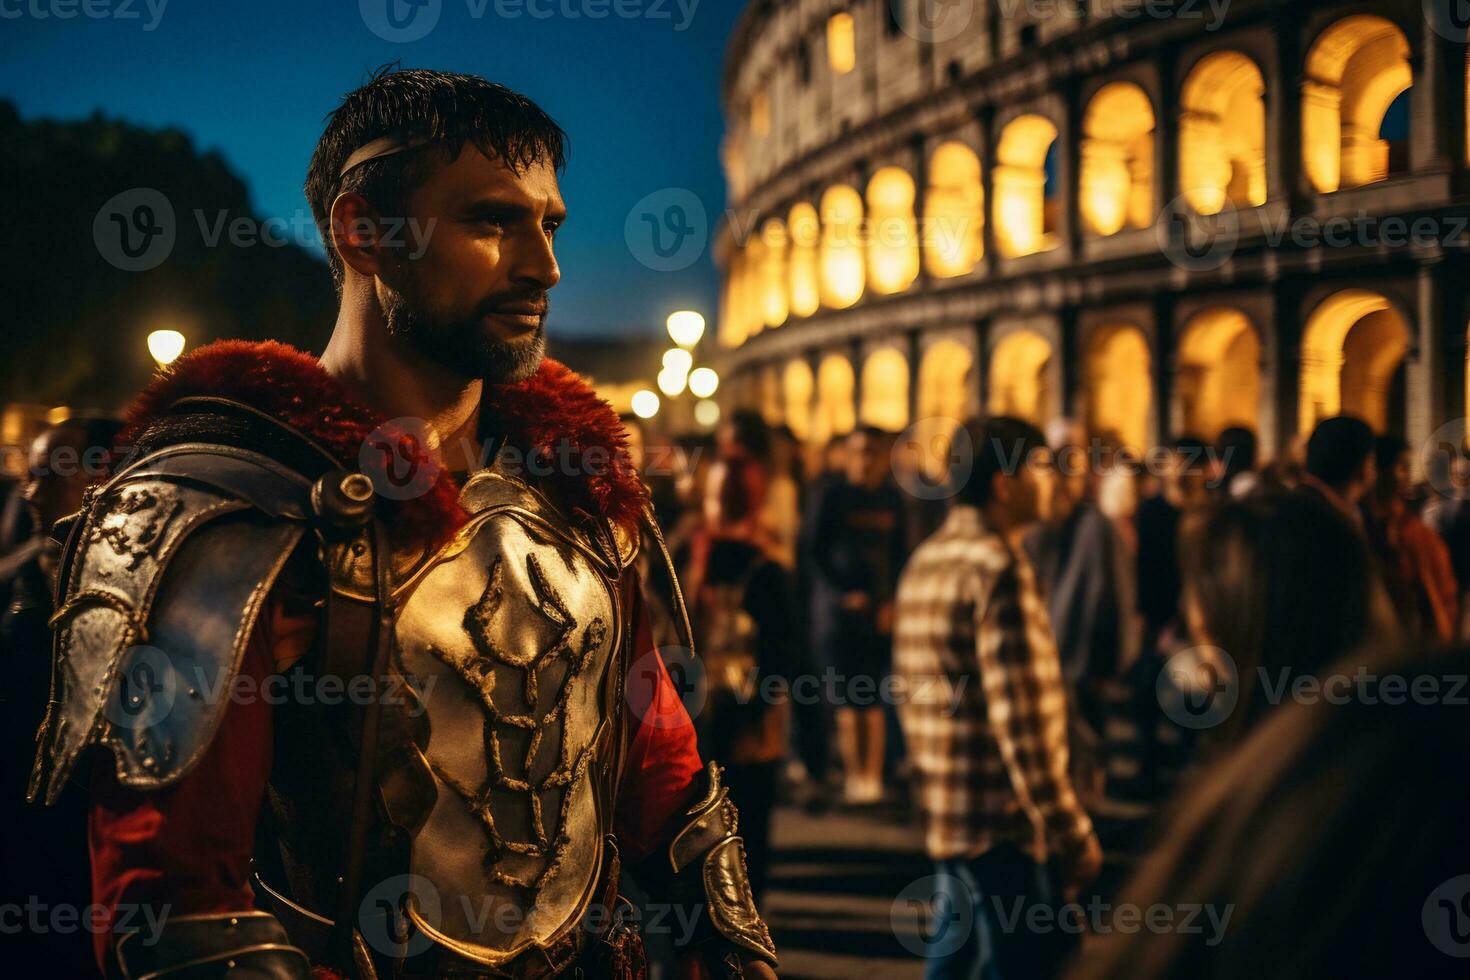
x=1158, y=217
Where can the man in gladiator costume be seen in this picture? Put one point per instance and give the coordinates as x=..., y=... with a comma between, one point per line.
x=354, y=646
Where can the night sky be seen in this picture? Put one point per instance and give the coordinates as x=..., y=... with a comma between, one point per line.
x=638, y=95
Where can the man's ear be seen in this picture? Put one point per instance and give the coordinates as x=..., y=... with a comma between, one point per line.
x=354, y=228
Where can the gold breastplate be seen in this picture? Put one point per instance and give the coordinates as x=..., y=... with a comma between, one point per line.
x=508, y=633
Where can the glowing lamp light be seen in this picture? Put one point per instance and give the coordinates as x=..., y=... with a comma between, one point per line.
x=645, y=404
x=707, y=414
x=672, y=382
x=703, y=382
x=165, y=346
x=679, y=360
x=686, y=327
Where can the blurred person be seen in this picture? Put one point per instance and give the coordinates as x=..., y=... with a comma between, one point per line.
x=747, y=633
x=1330, y=844
x=1447, y=513
x=1284, y=585
x=1340, y=465
x=1183, y=488
x=781, y=514
x=1085, y=570
x=1234, y=466
x=277, y=525
x=857, y=551
x=44, y=852
x=986, y=718
x=1415, y=561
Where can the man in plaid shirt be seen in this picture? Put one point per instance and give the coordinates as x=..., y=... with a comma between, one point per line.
x=986, y=720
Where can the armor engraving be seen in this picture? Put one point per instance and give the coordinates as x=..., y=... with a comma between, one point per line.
x=521, y=618
x=135, y=521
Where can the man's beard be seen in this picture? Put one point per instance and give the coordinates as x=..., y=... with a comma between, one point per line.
x=463, y=346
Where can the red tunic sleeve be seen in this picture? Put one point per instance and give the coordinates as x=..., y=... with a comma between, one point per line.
x=662, y=758
x=186, y=850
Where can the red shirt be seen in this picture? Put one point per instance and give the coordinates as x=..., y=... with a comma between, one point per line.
x=186, y=850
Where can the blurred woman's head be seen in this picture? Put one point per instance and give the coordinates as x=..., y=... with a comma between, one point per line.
x=1331, y=843
x=1279, y=582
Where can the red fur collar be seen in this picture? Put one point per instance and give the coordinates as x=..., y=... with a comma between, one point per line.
x=553, y=413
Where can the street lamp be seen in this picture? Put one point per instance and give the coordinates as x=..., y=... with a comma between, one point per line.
x=703, y=382
x=165, y=346
x=645, y=404
x=686, y=327
x=671, y=382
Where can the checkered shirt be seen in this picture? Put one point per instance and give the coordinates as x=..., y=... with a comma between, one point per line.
x=984, y=709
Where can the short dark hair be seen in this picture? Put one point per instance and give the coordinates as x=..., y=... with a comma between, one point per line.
x=1236, y=449
x=999, y=445
x=1387, y=450
x=444, y=108
x=1337, y=448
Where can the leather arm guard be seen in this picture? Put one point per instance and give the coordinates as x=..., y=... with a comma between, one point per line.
x=196, y=947
x=706, y=865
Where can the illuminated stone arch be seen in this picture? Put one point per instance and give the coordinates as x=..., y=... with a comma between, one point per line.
x=732, y=315
x=797, y=386
x=774, y=305
x=1222, y=134
x=1218, y=382
x=1024, y=212
x=772, y=405
x=1356, y=70
x=954, y=212
x=804, y=283
x=833, y=412
x=1353, y=347
x=1118, y=385
x=885, y=390
x=893, y=238
x=943, y=401
x=842, y=266
x=752, y=272
x=1118, y=160
x=1020, y=378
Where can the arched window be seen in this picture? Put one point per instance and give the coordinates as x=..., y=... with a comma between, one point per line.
x=796, y=391
x=893, y=241
x=885, y=401
x=1118, y=160
x=774, y=306
x=1356, y=71
x=842, y=43
x=954, y=212
x=1219, y=378
x=1024, y=203
x=842, y=247
x=1118, y=386
x=805, y=240
x=1020, y=380
x=1222, y=134
x=1353, y=350
x=833, y=414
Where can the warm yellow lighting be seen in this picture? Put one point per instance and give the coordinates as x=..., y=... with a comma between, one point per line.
x=893, y=241
x=796, y=392
x=645, y=404
x=954, y=212
x=679, y=360
x=773, y=300
x=885, y=387
x=1117, y=160
x=58, y=415
x=1218, y=381
x=165, y=346
x=1020, y=186
x=842, y=43
x=1222, y=134
x=1018, y=378
x=686, y=327
x=834, y=413
x=1352, y=347
x=1356, y=69
x=672, y=382
x=1118, y=386
x=703, y=382
x=842, y=247
x=805, y=233
x=707, y=414
x=760, y=114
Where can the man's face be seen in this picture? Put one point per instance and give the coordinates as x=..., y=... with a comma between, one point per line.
x=863, y=461
x=58, y=471
x=475, y=300
x=1031, y=489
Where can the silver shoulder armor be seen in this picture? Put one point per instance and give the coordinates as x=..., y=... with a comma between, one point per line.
x=162, y=579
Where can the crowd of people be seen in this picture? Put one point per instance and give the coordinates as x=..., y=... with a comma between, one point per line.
x=964, y=652
x=1062, y=581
